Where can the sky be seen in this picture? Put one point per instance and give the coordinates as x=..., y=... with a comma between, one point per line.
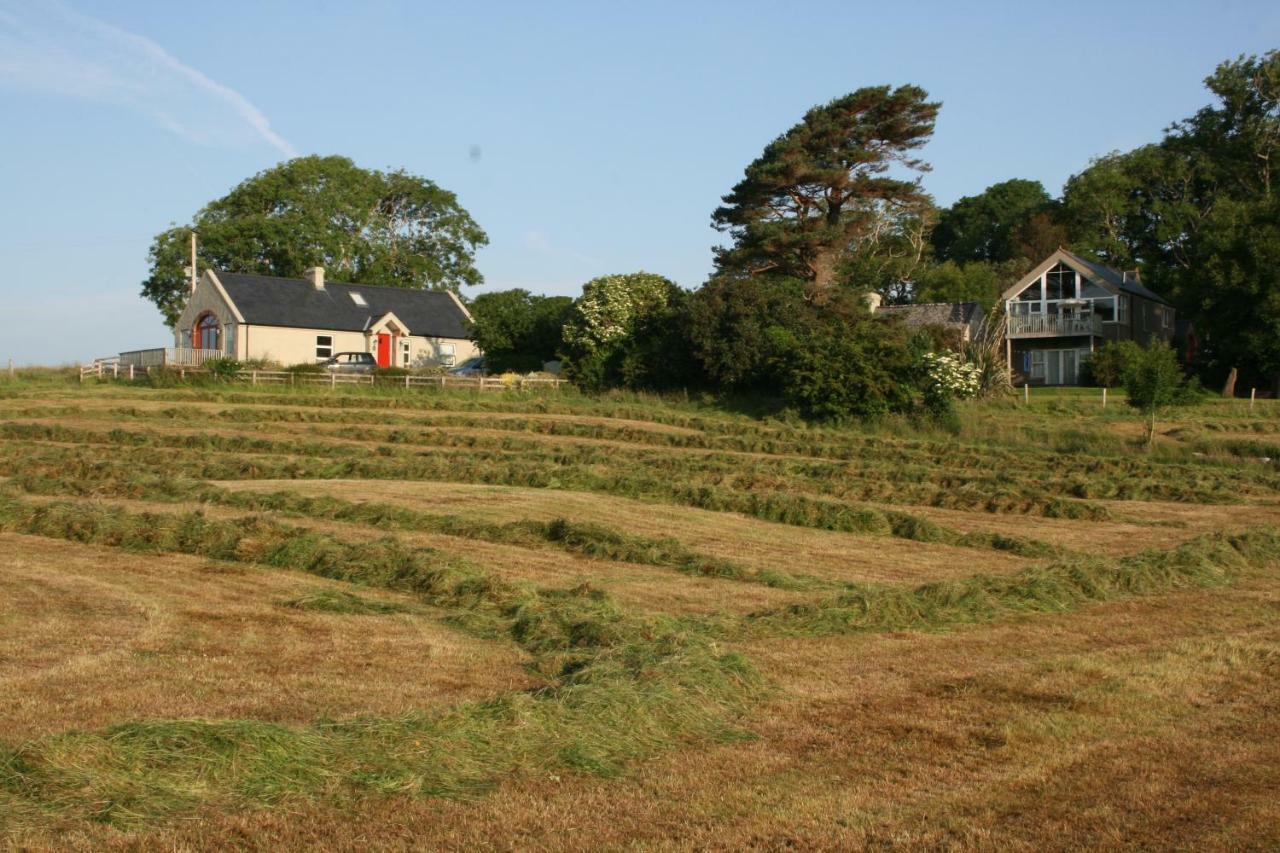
x=585, y=138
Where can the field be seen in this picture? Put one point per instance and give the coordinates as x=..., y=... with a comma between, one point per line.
x=367, y=619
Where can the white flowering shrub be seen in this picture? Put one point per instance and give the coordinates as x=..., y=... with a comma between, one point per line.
x=951, y=376
x=609, y=307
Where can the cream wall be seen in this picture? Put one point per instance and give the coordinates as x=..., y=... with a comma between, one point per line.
x=289, y=346
x=298, y=346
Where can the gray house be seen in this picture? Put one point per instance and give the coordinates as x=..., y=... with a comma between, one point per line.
x=1067, y=307
x=1057, y=315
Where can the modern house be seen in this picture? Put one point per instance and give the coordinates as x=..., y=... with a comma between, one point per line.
x=1066, y=308
x=1056, y=316
x=301, y=320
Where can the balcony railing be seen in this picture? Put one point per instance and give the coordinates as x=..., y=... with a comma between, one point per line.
x=1054, y=325
x=168, y=356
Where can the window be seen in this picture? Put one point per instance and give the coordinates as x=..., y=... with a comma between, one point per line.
x=1031, y=293
x=447, y=353
x=1122, y=308
x=324, y=346
x=1060, y=283
x=359, y=300
x=404, y=352
x=1105, y=309
x=1037, y=364
x=231, y=340
x=205, y=334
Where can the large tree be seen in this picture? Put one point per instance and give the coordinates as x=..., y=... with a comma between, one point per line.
x=984, y=227
x=1200, y=213
x=825, y=185
x=374, y=227
x=519, y=330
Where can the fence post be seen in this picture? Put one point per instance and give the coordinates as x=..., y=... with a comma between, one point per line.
x=131, y=373
x=1104, y=398
x=333, y=379
x=13, y=374
x=253, y=377
x=1026, y=393
x=1253, y=392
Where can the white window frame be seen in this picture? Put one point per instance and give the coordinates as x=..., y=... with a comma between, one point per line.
x=229, y=339
x=405, y=352
x=1122, y=309
x=448, y=353
x=326, y=347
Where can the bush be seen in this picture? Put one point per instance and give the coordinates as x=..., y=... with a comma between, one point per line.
x=223, y=369
x=840, y=363
x=1107, y=366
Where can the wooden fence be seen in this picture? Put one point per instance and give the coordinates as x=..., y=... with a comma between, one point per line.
x=111, y=369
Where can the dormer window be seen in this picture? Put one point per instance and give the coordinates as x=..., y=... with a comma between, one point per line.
x=359, y=300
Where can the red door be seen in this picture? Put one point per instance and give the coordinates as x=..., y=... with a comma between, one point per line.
x=384, y=350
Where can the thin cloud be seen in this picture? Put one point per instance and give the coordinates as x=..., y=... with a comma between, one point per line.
x=48, y=48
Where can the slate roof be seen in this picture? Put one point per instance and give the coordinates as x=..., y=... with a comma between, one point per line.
x=269, y=301
x=934, y=313
x=1115, y=277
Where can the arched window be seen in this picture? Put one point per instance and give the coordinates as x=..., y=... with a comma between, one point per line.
x=206, y=332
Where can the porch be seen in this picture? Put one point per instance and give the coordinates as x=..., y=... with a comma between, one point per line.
x=168, y=357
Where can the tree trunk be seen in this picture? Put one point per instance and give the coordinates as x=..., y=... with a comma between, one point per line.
x=1229, y=390
x=1151, y=429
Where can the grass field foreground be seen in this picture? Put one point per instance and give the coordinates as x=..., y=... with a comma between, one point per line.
x=278, y=618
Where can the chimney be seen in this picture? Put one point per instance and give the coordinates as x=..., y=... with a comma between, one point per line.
x=315, y=275
x=873, y=301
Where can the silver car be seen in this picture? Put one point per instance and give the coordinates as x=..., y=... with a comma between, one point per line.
x=352, y=362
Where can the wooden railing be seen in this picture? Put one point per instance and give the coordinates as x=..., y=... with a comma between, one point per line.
x=169, y=356
x=1052, y=325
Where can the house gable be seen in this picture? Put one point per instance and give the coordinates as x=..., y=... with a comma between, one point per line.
x=1061, y=256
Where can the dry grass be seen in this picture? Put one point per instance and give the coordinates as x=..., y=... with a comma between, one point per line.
x=1139, y=725
x=759, y=544
x=92, y=636
x=1144, y=722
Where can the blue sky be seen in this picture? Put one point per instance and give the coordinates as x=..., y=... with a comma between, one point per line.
x=606, y=132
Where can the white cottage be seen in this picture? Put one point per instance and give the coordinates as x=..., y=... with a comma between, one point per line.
x=300, y=320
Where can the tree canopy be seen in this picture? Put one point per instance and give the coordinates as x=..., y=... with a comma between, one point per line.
x=363, y=225
x=518, y=330
x=1200, y=213
x=985, y=227
x=825, y=186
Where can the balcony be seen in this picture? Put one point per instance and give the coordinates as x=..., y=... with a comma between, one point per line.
x=1054, y=325
x=168, y=357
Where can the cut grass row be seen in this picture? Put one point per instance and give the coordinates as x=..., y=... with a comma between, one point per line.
x=624, y=687
x=122, y=480
x=653, y=473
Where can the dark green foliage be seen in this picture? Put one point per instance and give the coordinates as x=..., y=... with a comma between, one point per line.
x=975, y=281
x=517, y=330
x=732, y=325
x=1200, y=213
x=838, y=362
x=824, y=185
x=362, y=225
x=1109, y=364
x=985, y=227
